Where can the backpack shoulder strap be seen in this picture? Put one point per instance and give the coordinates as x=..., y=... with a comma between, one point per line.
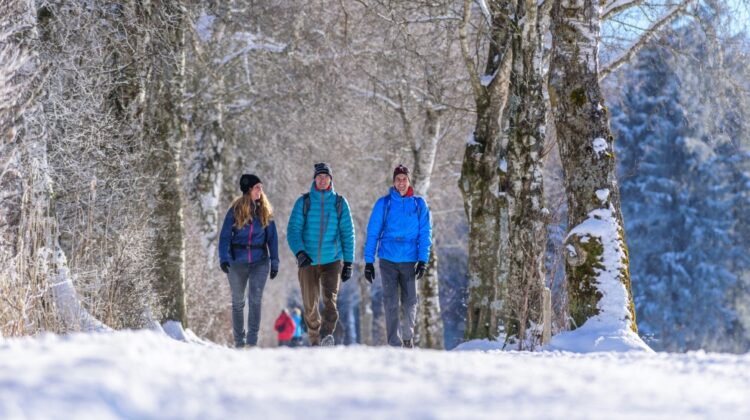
x=305, y=204
x=339, y=204
x=305, y=208
x=339, y=210
x=386, y=207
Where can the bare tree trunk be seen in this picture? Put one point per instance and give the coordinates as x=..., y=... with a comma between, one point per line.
x=484, y=181
x=365, y=313
x=527, y=227
x=429, y=328
x=205, y=134
x=158, y=107
x=430, y=322
x=597, y=256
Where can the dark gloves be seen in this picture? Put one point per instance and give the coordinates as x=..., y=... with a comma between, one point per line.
x=303, y=260
x=225, y=267
x=346, y=271
x=274, y=273
x=370, y=272
x=419, y=271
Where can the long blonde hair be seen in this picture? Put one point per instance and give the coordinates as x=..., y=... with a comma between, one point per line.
x=245, y=209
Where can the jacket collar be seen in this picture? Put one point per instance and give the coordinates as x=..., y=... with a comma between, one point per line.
x=315, y=190
x=395, y=194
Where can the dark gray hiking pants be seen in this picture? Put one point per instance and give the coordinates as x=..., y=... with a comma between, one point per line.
x=242, y=275
x=399, y=283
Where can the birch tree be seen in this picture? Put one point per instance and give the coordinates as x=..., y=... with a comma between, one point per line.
x=527, y=213
x=484, y=175
x=596, y=252
x=596, y=255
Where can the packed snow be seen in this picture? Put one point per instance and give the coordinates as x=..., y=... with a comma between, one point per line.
x=146, y=374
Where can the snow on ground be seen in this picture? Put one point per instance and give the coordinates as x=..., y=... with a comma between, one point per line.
x=146, y=374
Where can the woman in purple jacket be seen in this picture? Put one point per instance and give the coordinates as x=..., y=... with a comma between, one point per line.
x=248, y=250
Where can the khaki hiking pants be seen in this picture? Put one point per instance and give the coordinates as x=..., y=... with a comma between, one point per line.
x=312, y=279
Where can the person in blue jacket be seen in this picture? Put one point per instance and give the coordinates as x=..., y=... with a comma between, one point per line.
x=400, y=229
x=248, y=250
x=321, y=234
x=298, y=330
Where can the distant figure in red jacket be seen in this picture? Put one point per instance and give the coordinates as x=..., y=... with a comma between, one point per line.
x=285, y=327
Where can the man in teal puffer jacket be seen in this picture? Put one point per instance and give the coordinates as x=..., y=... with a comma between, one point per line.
x=320, y=234
x=400, y=229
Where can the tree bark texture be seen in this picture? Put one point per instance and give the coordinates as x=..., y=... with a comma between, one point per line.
x=483, y=183
x=587, y=153
x=157, y=108
x=430, y=322
x=365, y=313
x=527, y=227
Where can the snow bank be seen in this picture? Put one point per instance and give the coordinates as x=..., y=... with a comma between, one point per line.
x=598, y=335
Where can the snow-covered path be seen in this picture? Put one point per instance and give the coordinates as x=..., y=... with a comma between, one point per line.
x=147, y=375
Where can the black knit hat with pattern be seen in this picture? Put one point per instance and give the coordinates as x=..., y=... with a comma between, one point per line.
x=323, y=168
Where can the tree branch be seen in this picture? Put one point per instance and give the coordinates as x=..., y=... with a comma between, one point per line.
x=476, y=84
x=614, y=7
x=644, y=39
x=388, y=101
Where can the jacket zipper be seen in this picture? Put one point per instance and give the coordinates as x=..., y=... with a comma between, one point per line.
x=322, y=212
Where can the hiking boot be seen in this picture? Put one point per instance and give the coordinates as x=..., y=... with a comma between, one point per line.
x=327, y=341
x=407, y=344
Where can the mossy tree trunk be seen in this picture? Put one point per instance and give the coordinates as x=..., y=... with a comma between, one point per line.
x=596, y=252
x=483, y=181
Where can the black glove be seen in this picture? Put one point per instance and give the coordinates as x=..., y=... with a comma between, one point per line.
x=346, y=272
x=274, y=273
x=370, y=272
x=419, y=271
x=225, y=267
x=303, y=260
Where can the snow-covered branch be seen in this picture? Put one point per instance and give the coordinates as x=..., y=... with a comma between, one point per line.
x=253, y=42
x=373, y=95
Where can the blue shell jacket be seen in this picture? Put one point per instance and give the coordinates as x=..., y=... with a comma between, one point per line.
x=407, y=236
x=252, y=233
x=324, y=239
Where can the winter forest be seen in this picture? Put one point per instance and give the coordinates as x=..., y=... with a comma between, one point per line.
x=586, y=166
